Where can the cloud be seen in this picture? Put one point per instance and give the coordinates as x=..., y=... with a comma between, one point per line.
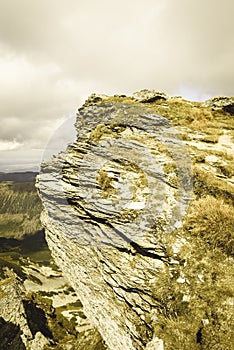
x=5, y=145
x=53, y=54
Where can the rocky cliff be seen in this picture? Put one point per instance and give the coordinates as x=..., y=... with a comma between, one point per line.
x=139, y=215
x=38, y=309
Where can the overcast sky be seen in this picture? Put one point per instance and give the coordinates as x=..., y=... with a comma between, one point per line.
x=54, y=53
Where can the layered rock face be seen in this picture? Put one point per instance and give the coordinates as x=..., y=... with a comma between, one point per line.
x=113, y=206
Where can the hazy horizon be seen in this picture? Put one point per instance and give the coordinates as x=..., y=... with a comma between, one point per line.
x=55, y=54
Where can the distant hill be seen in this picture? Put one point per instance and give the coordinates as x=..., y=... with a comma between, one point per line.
x=20, y=206
x=28, y=176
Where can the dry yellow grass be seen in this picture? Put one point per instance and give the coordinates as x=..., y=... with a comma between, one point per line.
x=213, y=220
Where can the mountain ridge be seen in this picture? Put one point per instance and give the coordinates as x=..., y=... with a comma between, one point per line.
x=154, y=289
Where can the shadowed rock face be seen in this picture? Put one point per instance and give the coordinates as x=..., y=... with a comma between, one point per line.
x=10, y=336
x=112, y=204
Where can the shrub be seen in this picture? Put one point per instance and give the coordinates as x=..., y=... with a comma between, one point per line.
x=213, y=220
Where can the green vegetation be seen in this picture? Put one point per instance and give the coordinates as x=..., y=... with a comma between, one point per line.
x=196, y=301
x=100, y=131
x=105, y=184
x=184, y=113
x=206, y=183
x=213, y=220
x=195, y=297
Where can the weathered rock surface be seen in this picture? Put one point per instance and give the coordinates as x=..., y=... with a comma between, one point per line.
x=112, y=202
x=38, y=309
x=17, y=331
x=221, y=103
x=98, y=204
x=149, y=96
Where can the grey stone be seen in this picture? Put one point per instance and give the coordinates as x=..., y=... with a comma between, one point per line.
x=221, y=103
x=102, y=199
x=147, y=96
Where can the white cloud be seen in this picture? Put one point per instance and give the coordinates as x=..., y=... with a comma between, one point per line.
x=9, y=145
x=53, y=54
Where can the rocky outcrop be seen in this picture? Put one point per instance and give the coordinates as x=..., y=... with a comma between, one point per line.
x=29, y=321
x=114, y=202
x=95, y=98
x=105, y=199
x=221, y=103
x=17, y=331
x=147, y=96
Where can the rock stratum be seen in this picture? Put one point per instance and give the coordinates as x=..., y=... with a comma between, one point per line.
x=139, y=216
x=38, y=309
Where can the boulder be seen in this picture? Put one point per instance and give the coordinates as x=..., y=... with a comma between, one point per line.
x=147, y=96
x=221, y=103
